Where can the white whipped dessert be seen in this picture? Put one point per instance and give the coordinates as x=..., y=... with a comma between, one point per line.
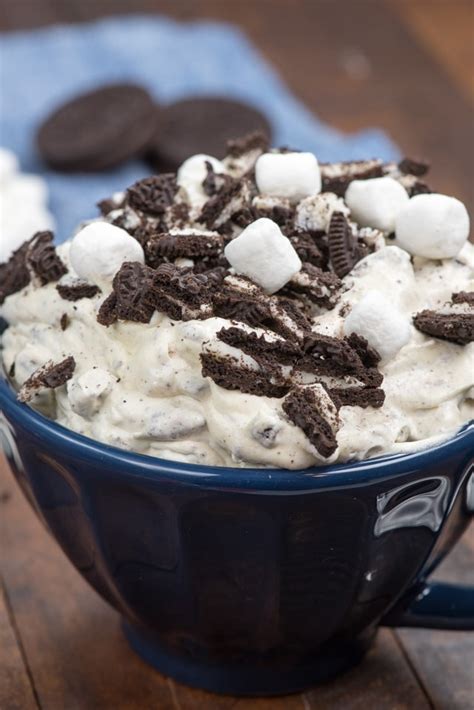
x=23, y=205
x=263, y=310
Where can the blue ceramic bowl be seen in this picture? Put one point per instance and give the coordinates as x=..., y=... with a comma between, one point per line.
x=250, y=581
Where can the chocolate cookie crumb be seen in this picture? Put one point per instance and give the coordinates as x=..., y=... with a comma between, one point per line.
x=41, y=257
x=357, y=396
x=336, y=177
x=64, y=321
x=408, y=166
x=307, y=411
x=14, y=274
x=257, y=140
x=344, y=250
x=154, y=194
x=75, y=291
x=48, y=376
x=455, y=327
x=232, y=375
x=463, y=297
x=168, y=247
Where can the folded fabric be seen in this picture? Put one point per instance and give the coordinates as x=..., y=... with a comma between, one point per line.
x=40, y=69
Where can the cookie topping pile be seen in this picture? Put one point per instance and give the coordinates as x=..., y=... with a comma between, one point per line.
x=35, y=259
x=267, y=241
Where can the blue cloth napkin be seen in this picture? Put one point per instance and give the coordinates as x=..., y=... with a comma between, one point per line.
x=41, y=69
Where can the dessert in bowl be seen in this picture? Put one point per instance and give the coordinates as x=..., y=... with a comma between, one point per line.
x=209, y=336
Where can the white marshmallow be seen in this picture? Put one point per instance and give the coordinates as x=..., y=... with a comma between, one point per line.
x=264, y=254
x=291, y=175
x=315, y=212
x=99, y=249
x=433, y=226
x=8, y=164
x=384, y=327
x=191, y=174
x=376, y=202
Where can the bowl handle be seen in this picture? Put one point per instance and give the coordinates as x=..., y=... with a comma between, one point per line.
x=436, y=606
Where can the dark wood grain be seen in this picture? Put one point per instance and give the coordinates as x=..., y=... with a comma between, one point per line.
x=16, y=692
x=444, y=660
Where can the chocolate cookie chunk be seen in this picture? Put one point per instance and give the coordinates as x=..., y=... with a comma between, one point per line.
x=168, y=247
x=455, y=327
x=153, y=195
x=98, y=130
x=50, y=376
x=336, y=177
x=201, y=125
x=344, y=249
x=77, y=290
x=311, y=412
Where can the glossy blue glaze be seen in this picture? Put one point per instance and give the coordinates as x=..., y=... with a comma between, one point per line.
x=249, y=581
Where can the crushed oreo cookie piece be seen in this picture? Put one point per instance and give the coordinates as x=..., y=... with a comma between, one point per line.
x=153, y=195
x=463, y=297
x=168, y=247
x=50, y=376
x=336, y=177
x=318, y=286
x=107, y=313
x=181, y=293
x=134, y=295
x=36, y=257
x=14, y=274
x=357, y=396
x=315, y=415
x=257, y=140
x=64, y=321
x=344, y=249
x=108, y=205
x=367, y=354
x=454, y=327
x=231, y=199
x=41, y=257
x=408, y=166
x=263, y=350
x=77, y=290
x=311, y=248
x=230, y=374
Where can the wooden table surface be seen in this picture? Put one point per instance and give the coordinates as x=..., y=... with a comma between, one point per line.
x=403, y=65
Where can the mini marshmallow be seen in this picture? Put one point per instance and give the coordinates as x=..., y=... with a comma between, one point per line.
x=193, y=172
x=376, y=202
x=98, y=251
x=8, y=164
x=291, y=175
x=264, y=254
x=315, y=212
x=433, y=226
x=377, y=320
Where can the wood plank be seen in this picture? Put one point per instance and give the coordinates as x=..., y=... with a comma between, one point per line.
x=71, y=638
x=446, y=30
x=16, y=692
x=444, y=660
x=384, y=680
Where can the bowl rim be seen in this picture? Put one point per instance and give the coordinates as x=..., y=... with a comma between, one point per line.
x=116, y=460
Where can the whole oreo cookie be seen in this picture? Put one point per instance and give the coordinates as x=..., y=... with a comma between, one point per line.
x=201, y=125
x=98, y=130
